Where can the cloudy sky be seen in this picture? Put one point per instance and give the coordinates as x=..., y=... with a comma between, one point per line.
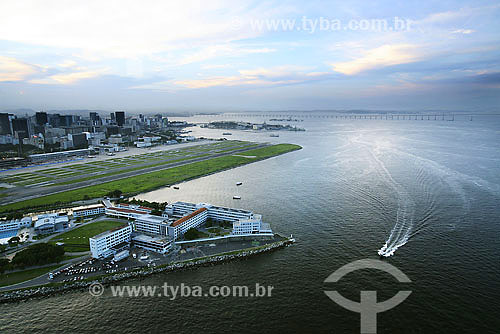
x=249, y=55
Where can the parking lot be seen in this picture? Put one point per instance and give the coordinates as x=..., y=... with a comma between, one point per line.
x=142, y=258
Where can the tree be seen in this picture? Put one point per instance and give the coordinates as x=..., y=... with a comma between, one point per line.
x=15, y=215
x=13, y=240
x=115, y=193
x=38, y=254
x=3, y=265
x=191, y=234
x=156, y=212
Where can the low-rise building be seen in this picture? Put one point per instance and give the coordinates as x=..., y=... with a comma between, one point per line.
x=251, y=226
x=155, y=244
x=128, y=213
x=50, y=223
x=92, y=210
x=60, y=155
x=15, y=224
x=104, y=245
x=151, y=224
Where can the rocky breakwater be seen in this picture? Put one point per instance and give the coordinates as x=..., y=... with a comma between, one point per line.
x=53, y=289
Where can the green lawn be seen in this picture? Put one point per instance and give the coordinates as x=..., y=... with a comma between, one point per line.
x=21, y=276
x=153, y=180
x=77, y=240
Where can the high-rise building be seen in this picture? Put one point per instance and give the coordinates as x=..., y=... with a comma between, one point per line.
x=79, y=140
x=41, y=118
x=65, y=120
x=120, y=118
x=112, y=115
x=5, y=128
x=54, y=120
x=95, y=120
x=21, y=126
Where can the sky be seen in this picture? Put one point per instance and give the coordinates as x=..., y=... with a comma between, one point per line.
x=231, y=55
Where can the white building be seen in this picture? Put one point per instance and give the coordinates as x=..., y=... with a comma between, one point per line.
x=151, y=224
x=136, y=207
x=102, y=244
x=50, y=223
x=251, y=226
x=214, y=212
x=16, y=224
x=192, y=220
x=125, y=213
x=155, y=244
x=93, y=210
x=244, y=222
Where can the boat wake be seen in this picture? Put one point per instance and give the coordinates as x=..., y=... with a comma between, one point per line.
x=401, y=232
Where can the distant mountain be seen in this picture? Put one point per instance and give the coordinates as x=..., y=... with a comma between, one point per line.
x=19, y=112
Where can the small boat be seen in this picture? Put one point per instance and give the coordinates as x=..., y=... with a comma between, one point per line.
x=236, y=197
x=239, y=183
x=176, y=188
x=274, y=135
x=226, y=133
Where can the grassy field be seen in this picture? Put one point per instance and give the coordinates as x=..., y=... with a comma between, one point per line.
x=153, y=180
x=21, y=276
x=77, y=240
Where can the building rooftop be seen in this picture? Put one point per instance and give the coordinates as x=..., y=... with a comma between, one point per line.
x=100, y=235
x=191, y=215
x=89, y=207
x=125, y=210
x=152, y=218
x=147, y=238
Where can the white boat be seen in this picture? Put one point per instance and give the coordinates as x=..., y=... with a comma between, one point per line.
x=239, y=183
x=236, y=197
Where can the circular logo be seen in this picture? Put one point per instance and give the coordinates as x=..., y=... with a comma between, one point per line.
x=236, y=23
x=96, y=289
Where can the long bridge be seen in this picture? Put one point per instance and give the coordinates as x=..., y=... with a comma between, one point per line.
x=388, y=116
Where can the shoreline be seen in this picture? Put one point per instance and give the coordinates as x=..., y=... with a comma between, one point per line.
x=41, y=291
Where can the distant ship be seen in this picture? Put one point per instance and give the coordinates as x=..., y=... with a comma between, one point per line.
x=273, y=135
x=226, y=133
x=239, y=183
x=236, y=197
x=177, y=188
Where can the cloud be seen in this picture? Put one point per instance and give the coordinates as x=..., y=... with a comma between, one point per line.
x=128, y=28
x=224, y=50
x=463, y=31
x=69, y=78
x=280, y=75
x=12, y=69
x=383, y=56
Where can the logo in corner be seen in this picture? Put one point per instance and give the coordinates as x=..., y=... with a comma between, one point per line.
x=368, y=307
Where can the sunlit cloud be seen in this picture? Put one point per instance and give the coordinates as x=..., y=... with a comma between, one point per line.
x=281, y=75
x=69, y=78
x=12, y=69
x=383, y=56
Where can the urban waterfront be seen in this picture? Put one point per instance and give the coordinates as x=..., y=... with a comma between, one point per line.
x=429, y=188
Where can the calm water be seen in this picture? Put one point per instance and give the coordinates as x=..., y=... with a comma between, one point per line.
x=430, y=190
